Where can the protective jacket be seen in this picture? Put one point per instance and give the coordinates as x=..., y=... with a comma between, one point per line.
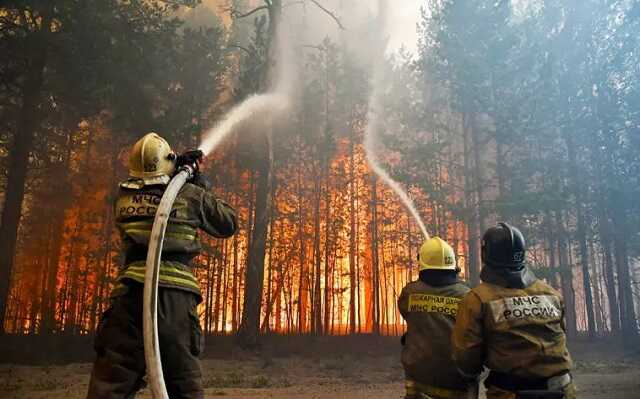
x=515, y=331
x=194, y=209
x=430, y=312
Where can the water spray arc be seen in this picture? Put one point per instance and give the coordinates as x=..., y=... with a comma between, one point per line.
x=266, y=105
x=374, y=113
x=370, y=142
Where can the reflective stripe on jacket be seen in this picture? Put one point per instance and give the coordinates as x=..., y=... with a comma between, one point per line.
x=194, y=209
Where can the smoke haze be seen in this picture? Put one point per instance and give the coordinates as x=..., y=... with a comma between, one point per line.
x=267, y=106
x=392, y=32
x=394, y=28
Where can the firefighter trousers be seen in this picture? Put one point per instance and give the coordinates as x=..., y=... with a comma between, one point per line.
x=416, y=390
x=119, y=368
x=498, y=393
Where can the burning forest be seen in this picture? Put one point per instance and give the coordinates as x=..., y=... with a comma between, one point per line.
x=344, y=135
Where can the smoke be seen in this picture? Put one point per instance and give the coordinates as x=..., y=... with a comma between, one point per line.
x=394, y=28
x=370, y=143
x=260, y=105
x=375, y=116
x=266, y=107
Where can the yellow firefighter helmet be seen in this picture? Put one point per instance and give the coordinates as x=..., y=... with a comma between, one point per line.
x=151, y=159
x=436, y=254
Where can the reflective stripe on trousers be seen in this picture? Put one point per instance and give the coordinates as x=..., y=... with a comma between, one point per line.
x=421, y=391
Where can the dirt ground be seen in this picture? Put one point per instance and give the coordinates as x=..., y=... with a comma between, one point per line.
x=296, y=377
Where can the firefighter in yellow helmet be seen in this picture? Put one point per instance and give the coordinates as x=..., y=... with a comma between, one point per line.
x=120, y=365
x=429, y=305
x=513, y=324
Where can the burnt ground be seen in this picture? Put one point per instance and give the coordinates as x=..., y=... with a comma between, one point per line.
x=319, y=369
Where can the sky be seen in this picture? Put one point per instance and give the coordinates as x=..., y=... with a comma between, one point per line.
x=404, y=17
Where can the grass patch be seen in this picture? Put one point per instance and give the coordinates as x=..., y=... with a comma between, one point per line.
x=236, y=380
x=260, y=382
x=48, y=385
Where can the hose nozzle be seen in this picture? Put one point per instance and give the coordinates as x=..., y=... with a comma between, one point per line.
x=190, y=160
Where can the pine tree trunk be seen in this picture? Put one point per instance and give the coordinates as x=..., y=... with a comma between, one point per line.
x=327, y=246
x=610, y=282
x=254, y=280
x=375, y=283
x=470, y=207
x=581, y=235
x=621, y=256
x=566, y=274
x=316, y=313
x=236, y=287
x=225, y=293
x=18, y=165
x=597, y=290
x=478, y=174
x=303, y=278
x=352, y=239
x=604, y=230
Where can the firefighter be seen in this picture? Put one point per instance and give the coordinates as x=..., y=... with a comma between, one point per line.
x=513, y=324
x=120, y=365
x=429, y=305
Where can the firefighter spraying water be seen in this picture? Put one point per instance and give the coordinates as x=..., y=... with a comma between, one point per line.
x=188, y=168
x=261, y=106
x=158, y=218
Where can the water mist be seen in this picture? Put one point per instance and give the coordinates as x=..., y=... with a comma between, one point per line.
x=260, y=105
x=374, y=114
x=276, y=102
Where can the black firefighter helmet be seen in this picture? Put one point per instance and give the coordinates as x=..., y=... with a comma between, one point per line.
x=503, y=246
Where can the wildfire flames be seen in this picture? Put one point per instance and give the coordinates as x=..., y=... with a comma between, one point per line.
x=334, y=247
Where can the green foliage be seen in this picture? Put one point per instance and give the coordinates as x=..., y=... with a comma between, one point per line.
x=125, y=61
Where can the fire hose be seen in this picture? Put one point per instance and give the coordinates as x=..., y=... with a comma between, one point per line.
x=187, y=168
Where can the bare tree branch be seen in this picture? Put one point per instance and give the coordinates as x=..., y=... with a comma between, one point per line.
x=329, y=13
x=315, y=47
x=246, y=50
x=293, y=3
x=237, y=14
x=178, y=3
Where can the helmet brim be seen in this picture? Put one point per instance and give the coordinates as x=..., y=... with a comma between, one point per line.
x=424, y=266
x=152, y=180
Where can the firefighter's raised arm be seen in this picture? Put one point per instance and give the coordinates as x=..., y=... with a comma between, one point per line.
x=218, y=218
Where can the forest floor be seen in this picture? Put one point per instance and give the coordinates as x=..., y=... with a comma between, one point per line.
x=599, y=373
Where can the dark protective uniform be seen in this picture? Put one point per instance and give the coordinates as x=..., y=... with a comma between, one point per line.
x=518, y=333
x=120, y=366
x=430, y=311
